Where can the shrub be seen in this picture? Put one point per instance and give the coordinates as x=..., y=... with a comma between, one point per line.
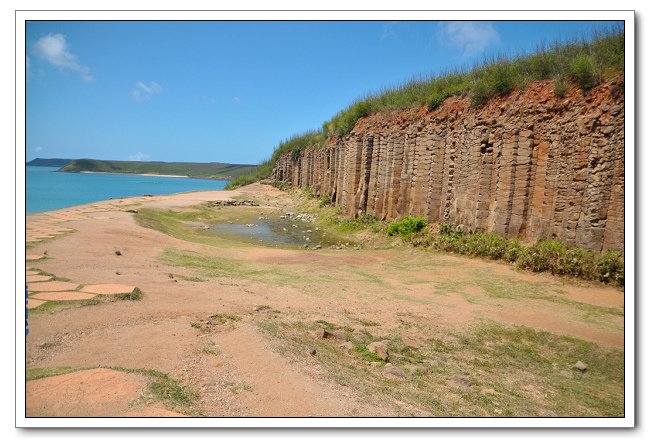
x=582, y=68
x=488, y=245
x=514, y=251
x=561, y=86
x=325, y=200
x=407, y=226
x=542, y=256
x=610, y=268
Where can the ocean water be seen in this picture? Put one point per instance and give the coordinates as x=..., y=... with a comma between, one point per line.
x=47, y=189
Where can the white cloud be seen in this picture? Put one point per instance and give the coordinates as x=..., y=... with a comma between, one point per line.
x=236, y=99
x=37, y=149
x=144, y=91
x=54, y=49
x=389, y=30
x=471, y=38
x=138, y=157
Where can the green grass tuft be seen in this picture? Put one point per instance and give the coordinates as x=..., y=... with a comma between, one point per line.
x=407, y=226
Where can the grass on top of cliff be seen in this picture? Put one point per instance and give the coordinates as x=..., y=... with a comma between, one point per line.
x=582, y=62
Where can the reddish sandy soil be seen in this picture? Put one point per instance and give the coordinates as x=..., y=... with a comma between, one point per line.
x=156, y=332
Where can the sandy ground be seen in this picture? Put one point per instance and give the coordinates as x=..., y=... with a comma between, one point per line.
x=157, y=332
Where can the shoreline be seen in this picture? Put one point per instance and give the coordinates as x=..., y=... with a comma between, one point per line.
x=142, y=174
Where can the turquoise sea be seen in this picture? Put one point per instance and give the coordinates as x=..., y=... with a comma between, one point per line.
x=47, y=189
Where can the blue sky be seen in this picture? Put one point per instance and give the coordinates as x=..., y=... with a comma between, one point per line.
x=231, y=91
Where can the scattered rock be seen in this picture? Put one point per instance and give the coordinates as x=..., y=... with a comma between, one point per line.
x=230, y=203
x=348, y=345
x=395, y=371
x=305, y=246
x=318, y=246
x=118, y=253
x=329, y=334
x=416, y=368
x=581, y=366
x=396, y=358
x=380, y=348
x=460, y=381
x=312, y=352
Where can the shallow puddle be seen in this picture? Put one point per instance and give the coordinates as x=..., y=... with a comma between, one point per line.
x=276, y=232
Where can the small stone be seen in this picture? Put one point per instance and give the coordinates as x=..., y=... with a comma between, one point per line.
x=318, y=246
x=380, y=348
x=348, y=345
x=333, y=334
x=312, y=352
x=305, y=246
x=395, y=371
x=580, y=366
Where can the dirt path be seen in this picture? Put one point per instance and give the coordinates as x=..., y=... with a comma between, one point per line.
x=237, y=366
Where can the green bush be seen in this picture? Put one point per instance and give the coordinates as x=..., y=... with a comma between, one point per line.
x=542, y=256
x=407, y=226
x=610, y=268
x=583, y=69
x=488, y=245
x=514, y=251
x=325, y=200
x=560, y=86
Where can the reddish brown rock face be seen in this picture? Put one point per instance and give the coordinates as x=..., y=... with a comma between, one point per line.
x=528, y=165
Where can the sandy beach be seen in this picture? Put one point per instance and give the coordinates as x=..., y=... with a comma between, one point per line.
x=134, y=174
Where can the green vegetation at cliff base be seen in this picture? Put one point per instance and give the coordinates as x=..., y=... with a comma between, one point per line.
x=542, y=256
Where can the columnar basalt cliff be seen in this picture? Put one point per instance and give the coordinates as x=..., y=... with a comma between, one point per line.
x=529, y=164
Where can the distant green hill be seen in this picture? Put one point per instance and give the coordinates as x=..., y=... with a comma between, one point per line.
x=48, y=162
x=213, y=170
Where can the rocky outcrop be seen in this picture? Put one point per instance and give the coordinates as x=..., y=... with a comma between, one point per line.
x=528, y=165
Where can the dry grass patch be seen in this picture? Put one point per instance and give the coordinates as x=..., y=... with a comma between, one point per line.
x=494, y=370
